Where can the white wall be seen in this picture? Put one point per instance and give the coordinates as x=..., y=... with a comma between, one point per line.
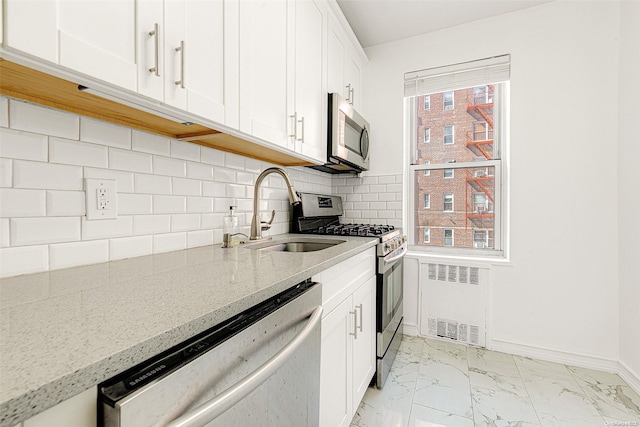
x=628, y=190
x=172, y=195
x=560, y=292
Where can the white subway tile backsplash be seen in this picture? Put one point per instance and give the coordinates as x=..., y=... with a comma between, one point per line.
x=380, y=188
x=394, y=188
x=211, y=156
x=224, y=175
x=129, y=160
x=23, y=260
x=354, y=197
x=169, y=242
x=361, y=205
x=377, y=205
x=187, y=187
x=152, y=184
x=124, y=180
x=23, y=145
x=169, y=204
x=105, y=133
x=214, y=220
x=6, y=172
x=107, y=228
x=66, y=255
x=22, y=203
x=36, y=231
x=199, y=238
x=34, y=118
x=4, y=112
x=4, y=233
x=65, y=203
x=396, y=206
x=150, y=143
x=234, y=161
x=70, y=152
x=185, y=222
x=185, y=150
x=200, y=171
x=236, y=191
x=130, y=247
x=48, y=176
x=222, y=204
x=199, y=204
x=253, y=165
x=387, y=197
x=214, y=189
x=370, y=197
x=245, y=178
x=151, y=224
x=387, y=179
x=134, y=204
x=169, y=166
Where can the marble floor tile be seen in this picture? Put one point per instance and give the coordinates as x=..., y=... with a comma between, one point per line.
x=438, y=383
x=422, y=416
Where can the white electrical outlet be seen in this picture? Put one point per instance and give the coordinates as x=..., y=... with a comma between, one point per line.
x=101, y=198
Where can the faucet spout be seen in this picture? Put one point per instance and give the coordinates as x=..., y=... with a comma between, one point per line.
x=257, y=226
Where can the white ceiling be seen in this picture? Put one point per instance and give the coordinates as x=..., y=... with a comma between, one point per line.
x=382, y=21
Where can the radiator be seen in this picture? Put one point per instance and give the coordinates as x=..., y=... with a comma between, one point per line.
x=453, y=302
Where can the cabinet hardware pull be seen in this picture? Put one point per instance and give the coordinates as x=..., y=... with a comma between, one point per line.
x=301, y=121
x=355, y=324
x=349, y=94
x=156, y=36
x=295, y=126
x=359, y=306
x=213, y=408
x=181, y=50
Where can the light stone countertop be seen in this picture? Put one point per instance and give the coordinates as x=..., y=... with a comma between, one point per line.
x=65, y=331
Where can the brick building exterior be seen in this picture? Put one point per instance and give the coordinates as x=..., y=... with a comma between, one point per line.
x=454, y=207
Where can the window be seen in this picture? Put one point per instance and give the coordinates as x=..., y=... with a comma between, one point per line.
x=448, y=237
x=448, y=203
x=427, y=134
x=448, y=100
x=427, y=102
x=466, y=171
x=448, y=135
x=426, y=238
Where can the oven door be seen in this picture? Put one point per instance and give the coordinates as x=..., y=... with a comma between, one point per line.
x=389, y=297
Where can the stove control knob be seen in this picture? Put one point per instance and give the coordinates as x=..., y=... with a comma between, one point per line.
x=387, y=248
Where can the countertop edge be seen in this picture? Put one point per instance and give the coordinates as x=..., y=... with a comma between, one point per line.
x=33, y=402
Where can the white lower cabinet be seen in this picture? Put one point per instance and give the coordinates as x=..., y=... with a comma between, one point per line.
x=77, y=411
x=347, y=360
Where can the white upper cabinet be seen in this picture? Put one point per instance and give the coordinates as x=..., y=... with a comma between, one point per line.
x=343, y=64
x=310, y=109
x=264, y=82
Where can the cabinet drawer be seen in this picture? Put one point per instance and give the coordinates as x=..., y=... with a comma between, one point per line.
x=343, y=279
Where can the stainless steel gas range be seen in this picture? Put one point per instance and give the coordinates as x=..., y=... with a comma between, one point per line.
x=320, y=214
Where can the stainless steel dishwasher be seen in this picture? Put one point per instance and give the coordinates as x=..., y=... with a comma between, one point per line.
x=259, y=368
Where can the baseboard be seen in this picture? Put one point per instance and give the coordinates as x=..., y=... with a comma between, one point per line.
x=558, y=356
x=411, y=330
x=629, y=377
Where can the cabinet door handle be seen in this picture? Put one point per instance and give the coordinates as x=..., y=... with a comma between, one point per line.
x=295, y=126
x=359, y=306
x=181, y=50
x=349, y=94
x=355, y=324
x=155, y=34
x=301, y=121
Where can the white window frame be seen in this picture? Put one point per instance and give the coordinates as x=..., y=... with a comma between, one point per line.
x=500, y=165
x=486, y=239
x=444, y=202
x=444, y=237
x=427, y=200
x=426, y=235
x=427, y=172
x=446, y=107
x=444, y=135
x=448, y=171
x=427, y=102
x=427, y=135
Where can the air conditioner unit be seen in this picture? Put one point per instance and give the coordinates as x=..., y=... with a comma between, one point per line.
x=479, y=174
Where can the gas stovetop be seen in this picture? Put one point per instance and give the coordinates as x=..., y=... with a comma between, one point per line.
x=366, y=230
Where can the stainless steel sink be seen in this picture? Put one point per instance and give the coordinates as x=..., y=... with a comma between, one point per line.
x=296, y=245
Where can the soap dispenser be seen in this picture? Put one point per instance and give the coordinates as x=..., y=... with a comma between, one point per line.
x=229, y=227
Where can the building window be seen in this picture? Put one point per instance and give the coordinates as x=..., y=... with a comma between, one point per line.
x=448, y=202
x=427, y=201
x=448, y=237
x=427, y=134
x=448, y=135
x=464, y=171
x=426, y=238
x=427, y=102
x=448, y=100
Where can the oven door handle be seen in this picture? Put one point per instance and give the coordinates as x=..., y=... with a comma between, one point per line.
x=215, y=407
x=397, y=257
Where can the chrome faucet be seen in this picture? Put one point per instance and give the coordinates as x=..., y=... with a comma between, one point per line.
x=258, y=226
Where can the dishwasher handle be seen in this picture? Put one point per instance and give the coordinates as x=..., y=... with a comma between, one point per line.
x=215, y=407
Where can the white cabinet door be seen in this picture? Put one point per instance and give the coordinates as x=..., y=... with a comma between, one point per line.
x=264, y=81
x=150, y=48
x=77, y=411
x=310, y=96
x=31, y=27
x=97, y=38
x=204, y=73
x=352, y=80
x=335, y=367
x=364, y=344
x=335, y=60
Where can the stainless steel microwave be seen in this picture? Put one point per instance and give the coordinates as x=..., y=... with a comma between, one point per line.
x=348, y=138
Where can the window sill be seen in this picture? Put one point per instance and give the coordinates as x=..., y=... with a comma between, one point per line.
x=497, y=260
